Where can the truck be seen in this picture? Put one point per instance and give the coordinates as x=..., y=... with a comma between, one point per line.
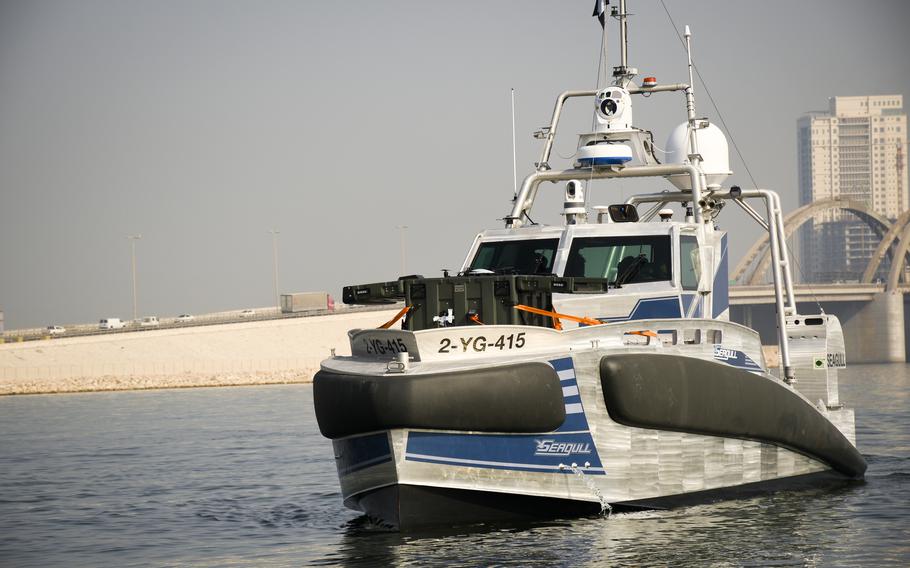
x=110, y=323
x=306, y=302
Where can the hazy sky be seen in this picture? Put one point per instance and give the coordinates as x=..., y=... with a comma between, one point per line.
x=202, y=124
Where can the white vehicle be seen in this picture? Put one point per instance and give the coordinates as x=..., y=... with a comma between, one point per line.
x=55, y=330
x=247, y=313
x=184, y=318
x=111, y=323
x=149, y=321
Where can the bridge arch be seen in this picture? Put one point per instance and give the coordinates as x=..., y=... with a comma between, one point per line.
x=897, y=268
x=884, y=247
x=796, y=219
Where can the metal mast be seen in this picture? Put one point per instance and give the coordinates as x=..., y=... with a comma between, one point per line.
x=133, y=239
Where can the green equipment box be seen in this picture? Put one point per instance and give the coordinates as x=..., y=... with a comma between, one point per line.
x=473, y=299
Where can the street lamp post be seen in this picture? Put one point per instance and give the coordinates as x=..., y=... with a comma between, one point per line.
x=402, y=229
x=133, y=239
x=275, y=233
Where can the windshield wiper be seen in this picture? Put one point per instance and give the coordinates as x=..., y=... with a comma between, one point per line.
x=631, y=271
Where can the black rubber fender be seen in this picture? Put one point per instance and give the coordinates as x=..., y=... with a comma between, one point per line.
x=513, y=398
x=685, y=394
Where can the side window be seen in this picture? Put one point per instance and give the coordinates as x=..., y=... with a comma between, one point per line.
x=621, y=260
x=533, y=256
x=543, y=256
x=689, y=263
x=484, y=257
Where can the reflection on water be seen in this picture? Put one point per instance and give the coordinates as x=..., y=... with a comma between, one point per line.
x=212, y=477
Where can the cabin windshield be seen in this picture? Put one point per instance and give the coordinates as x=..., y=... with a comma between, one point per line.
x=621, y=260
x=534, y=256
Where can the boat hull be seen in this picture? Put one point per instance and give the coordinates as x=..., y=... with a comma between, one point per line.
x=414, y=508
x=640, y=429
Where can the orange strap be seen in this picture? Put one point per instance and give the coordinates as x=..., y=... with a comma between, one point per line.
x=397, y=317
x=475, y=318
x=646, y=333
x=557, y=316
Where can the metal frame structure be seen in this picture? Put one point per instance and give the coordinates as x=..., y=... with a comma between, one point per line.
x=702, y=198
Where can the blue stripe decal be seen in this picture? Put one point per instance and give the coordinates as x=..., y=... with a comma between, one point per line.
x=604, y=161
x=735, y=358
x=574, y=423
x=522, y=452
x=354, y=454
x=651, y=308
x=575, y=415
x=721, y=293
x=687, y=300
x=571, y=443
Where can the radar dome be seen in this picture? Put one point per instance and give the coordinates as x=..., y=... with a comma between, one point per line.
x=712, y=145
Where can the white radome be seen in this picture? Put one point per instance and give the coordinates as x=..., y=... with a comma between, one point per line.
x=712, y=145
x=604, y=154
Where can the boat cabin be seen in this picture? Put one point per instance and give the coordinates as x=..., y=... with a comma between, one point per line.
x=651, y=269
x=598, y=272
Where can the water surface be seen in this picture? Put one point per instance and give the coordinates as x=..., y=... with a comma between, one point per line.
x=241, y=476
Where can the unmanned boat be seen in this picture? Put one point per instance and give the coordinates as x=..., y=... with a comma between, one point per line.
x=574, y=369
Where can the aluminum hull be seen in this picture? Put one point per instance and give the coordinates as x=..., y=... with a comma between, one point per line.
x=416, y=508
x=409, y=477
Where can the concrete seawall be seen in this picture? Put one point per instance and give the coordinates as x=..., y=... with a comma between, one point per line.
x=262, y=352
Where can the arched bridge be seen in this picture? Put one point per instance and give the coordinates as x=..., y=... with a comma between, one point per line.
x=895, y=241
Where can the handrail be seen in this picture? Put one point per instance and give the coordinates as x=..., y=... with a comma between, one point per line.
x=784, y=297
x=528, y=192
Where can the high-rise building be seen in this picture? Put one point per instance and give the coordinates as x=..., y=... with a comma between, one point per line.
x=856, y=150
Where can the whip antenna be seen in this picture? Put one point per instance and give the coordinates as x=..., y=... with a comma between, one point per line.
x=514, y=157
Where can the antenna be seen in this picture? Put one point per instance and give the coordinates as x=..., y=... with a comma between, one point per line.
x=690, y=103
x=600, y=8
x=623, y=73
x=623, y=35
x=514, y=156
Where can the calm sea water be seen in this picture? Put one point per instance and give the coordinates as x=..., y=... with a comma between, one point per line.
x=241, y=476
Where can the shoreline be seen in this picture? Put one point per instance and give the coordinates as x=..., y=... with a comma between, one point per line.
x=120, y=383
x=238, y=354
x=282, y=351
